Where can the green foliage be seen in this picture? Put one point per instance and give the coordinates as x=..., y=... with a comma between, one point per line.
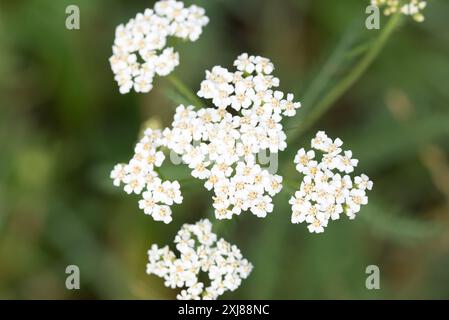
x=63, y=125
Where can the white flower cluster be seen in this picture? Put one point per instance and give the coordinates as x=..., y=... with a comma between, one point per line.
x=201, y=253
x=411, y=8
x=140, y=175
x=138, y=50
x=327, y=190
x=221, y=147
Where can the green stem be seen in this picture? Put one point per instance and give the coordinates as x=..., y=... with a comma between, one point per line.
x=275, y=232
x=346, y=83
x=185, y=91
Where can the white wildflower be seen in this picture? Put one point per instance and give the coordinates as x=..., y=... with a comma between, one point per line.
x=118, y=174
x=139, y=176
x=327, y=191
x=411, y=8
x=221, y=147
x=201, y=253
x=138, y=50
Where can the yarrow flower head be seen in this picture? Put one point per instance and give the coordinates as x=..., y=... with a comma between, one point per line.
x=411, y=8
x=139, y=176
x=327, y=190
x=200, y=253
x=220, y=144
x=139, y=50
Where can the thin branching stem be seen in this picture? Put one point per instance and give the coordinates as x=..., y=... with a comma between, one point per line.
x=185, y=91
x=348, y=81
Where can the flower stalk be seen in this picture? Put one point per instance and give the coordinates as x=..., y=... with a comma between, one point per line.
x=185, y=91
x=348, y=81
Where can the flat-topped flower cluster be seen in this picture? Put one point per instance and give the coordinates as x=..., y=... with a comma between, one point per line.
x=221, y=144
x=218, y=144
x=411, y=8
x=140, y=174
x=139, y=50
x=200, y=253
x=327, y=190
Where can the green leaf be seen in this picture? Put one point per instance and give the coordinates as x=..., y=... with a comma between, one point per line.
x=394, y=224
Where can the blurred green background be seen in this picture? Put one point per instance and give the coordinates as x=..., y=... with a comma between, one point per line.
x=63, y=125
